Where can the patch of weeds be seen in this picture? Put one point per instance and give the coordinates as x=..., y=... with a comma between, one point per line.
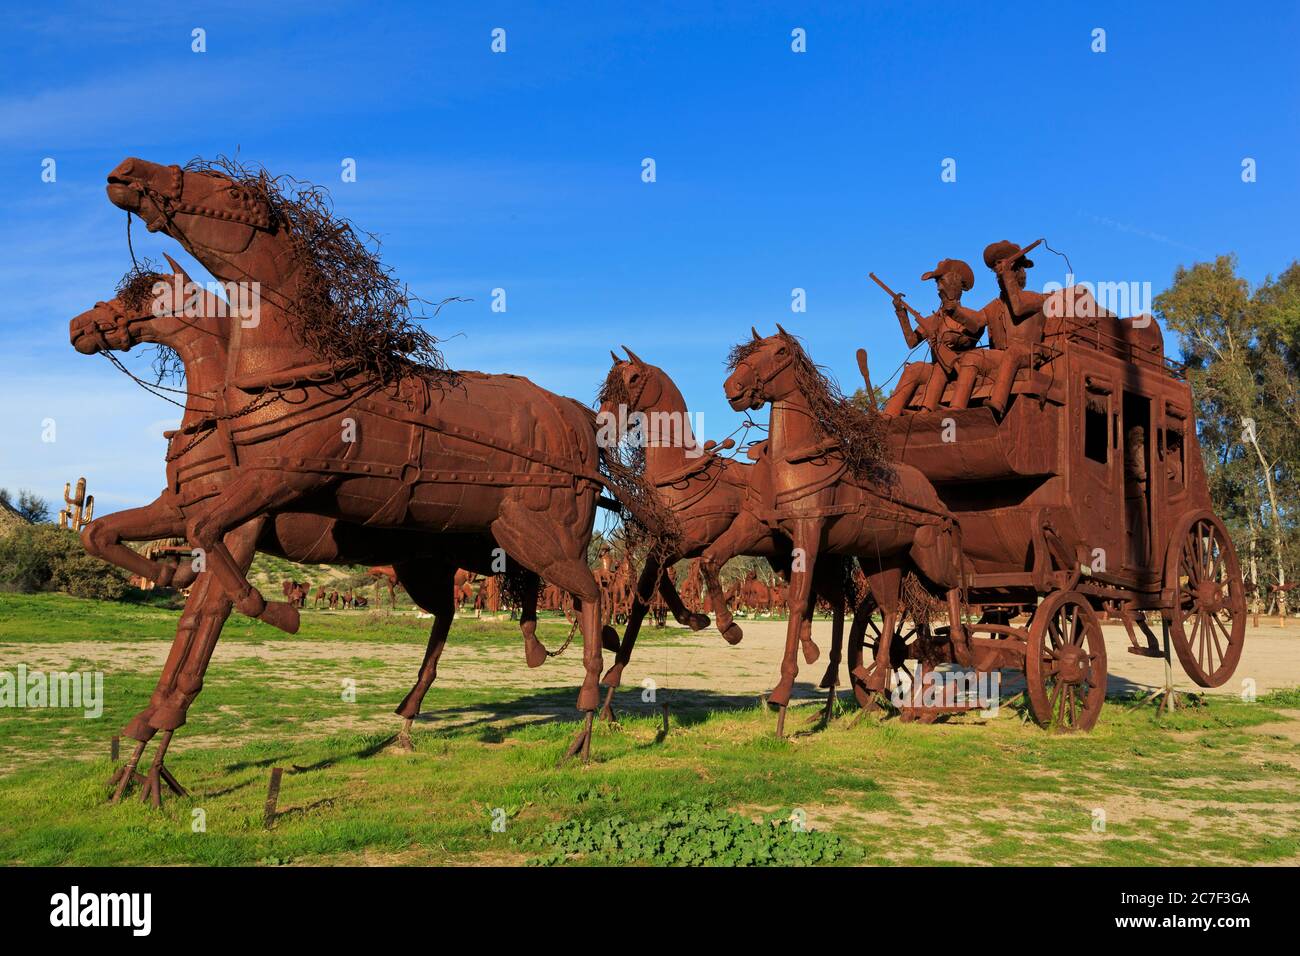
x=696, y=834
x=1281, y=698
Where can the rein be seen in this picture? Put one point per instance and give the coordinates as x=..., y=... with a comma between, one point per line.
x=153, y=389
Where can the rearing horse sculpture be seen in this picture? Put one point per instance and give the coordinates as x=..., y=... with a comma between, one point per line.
x=834, y=493
x=424, y=564
x=291, y=429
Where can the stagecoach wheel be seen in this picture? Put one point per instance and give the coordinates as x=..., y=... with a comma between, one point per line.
x=906, y=633
x=1207, y=621
x=1065, y=663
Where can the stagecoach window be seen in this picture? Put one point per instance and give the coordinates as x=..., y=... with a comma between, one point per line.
x=1096, y=430
x=1174, y=458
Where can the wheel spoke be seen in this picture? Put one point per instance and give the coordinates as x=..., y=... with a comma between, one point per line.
x=1076, y=626
x=1052, y=698
x=1218, y=648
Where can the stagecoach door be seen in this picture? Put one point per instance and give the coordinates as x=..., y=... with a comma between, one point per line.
x=1096, y=473
x=1138, y=505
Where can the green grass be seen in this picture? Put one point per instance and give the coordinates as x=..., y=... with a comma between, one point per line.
x=1215, y=784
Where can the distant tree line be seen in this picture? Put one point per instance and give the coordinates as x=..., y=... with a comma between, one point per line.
x=1241, y=346
x=28, y=504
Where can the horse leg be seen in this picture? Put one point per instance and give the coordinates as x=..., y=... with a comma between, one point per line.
x=857, y=634
x=962, y=651
x=205, y=613
x=103, y=538
x=936, y=552
x=589, y=622
x=526, y=528
x=432, y=593
x=833, y=591
x=806, y=537
x=827, y=585
x=885, y=586
x=242, y=500
x=534, y=650
x=743, y=534
x=681, y=613
x=635, y=615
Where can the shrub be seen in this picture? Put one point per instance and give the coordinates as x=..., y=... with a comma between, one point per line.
x=46, y=558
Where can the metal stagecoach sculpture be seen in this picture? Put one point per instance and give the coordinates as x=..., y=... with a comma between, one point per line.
x=329, y=430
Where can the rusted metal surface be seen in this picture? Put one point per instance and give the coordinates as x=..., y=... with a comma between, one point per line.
x=716, y=504
x=1072, y=465
x=1053, y=475
x=299, y=412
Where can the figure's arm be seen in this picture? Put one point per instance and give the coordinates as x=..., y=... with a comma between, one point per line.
x=911, y=336
x=1023, y=302
x=972, y=320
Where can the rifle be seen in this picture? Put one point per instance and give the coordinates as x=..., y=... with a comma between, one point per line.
x=893, y=295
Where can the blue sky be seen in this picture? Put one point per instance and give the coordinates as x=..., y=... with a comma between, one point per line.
x=522, y=170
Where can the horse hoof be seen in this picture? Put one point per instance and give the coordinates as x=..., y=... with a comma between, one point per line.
x=609, y=639
x=810, y=651
x=281, y=615
x=534, y=653
x=733, y=634
x=699, y=622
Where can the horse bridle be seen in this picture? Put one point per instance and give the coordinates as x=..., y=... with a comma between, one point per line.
x=250, y=211
x=764, y=380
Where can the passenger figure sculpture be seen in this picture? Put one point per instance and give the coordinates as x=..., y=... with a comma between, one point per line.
x=1135, y=496
x=951, y=330
x=1015, y=321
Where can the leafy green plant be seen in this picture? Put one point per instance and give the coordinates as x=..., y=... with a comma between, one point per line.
x=696, y=834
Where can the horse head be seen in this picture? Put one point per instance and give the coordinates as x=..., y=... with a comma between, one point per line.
x=153, y=307
x=762, y=370
x=638, y=386
x=227, y=225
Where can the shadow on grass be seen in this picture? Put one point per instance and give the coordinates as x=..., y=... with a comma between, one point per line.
x=555, y=707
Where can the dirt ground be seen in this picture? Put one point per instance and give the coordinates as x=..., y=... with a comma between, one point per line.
x=679, y=663
x=1271, y=658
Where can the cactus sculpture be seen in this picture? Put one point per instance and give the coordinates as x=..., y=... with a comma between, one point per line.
x=80, y=507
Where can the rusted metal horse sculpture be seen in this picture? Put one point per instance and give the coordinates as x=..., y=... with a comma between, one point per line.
x=833, y=492
x=294, y=429
x=707, y=500
x=427, y=564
